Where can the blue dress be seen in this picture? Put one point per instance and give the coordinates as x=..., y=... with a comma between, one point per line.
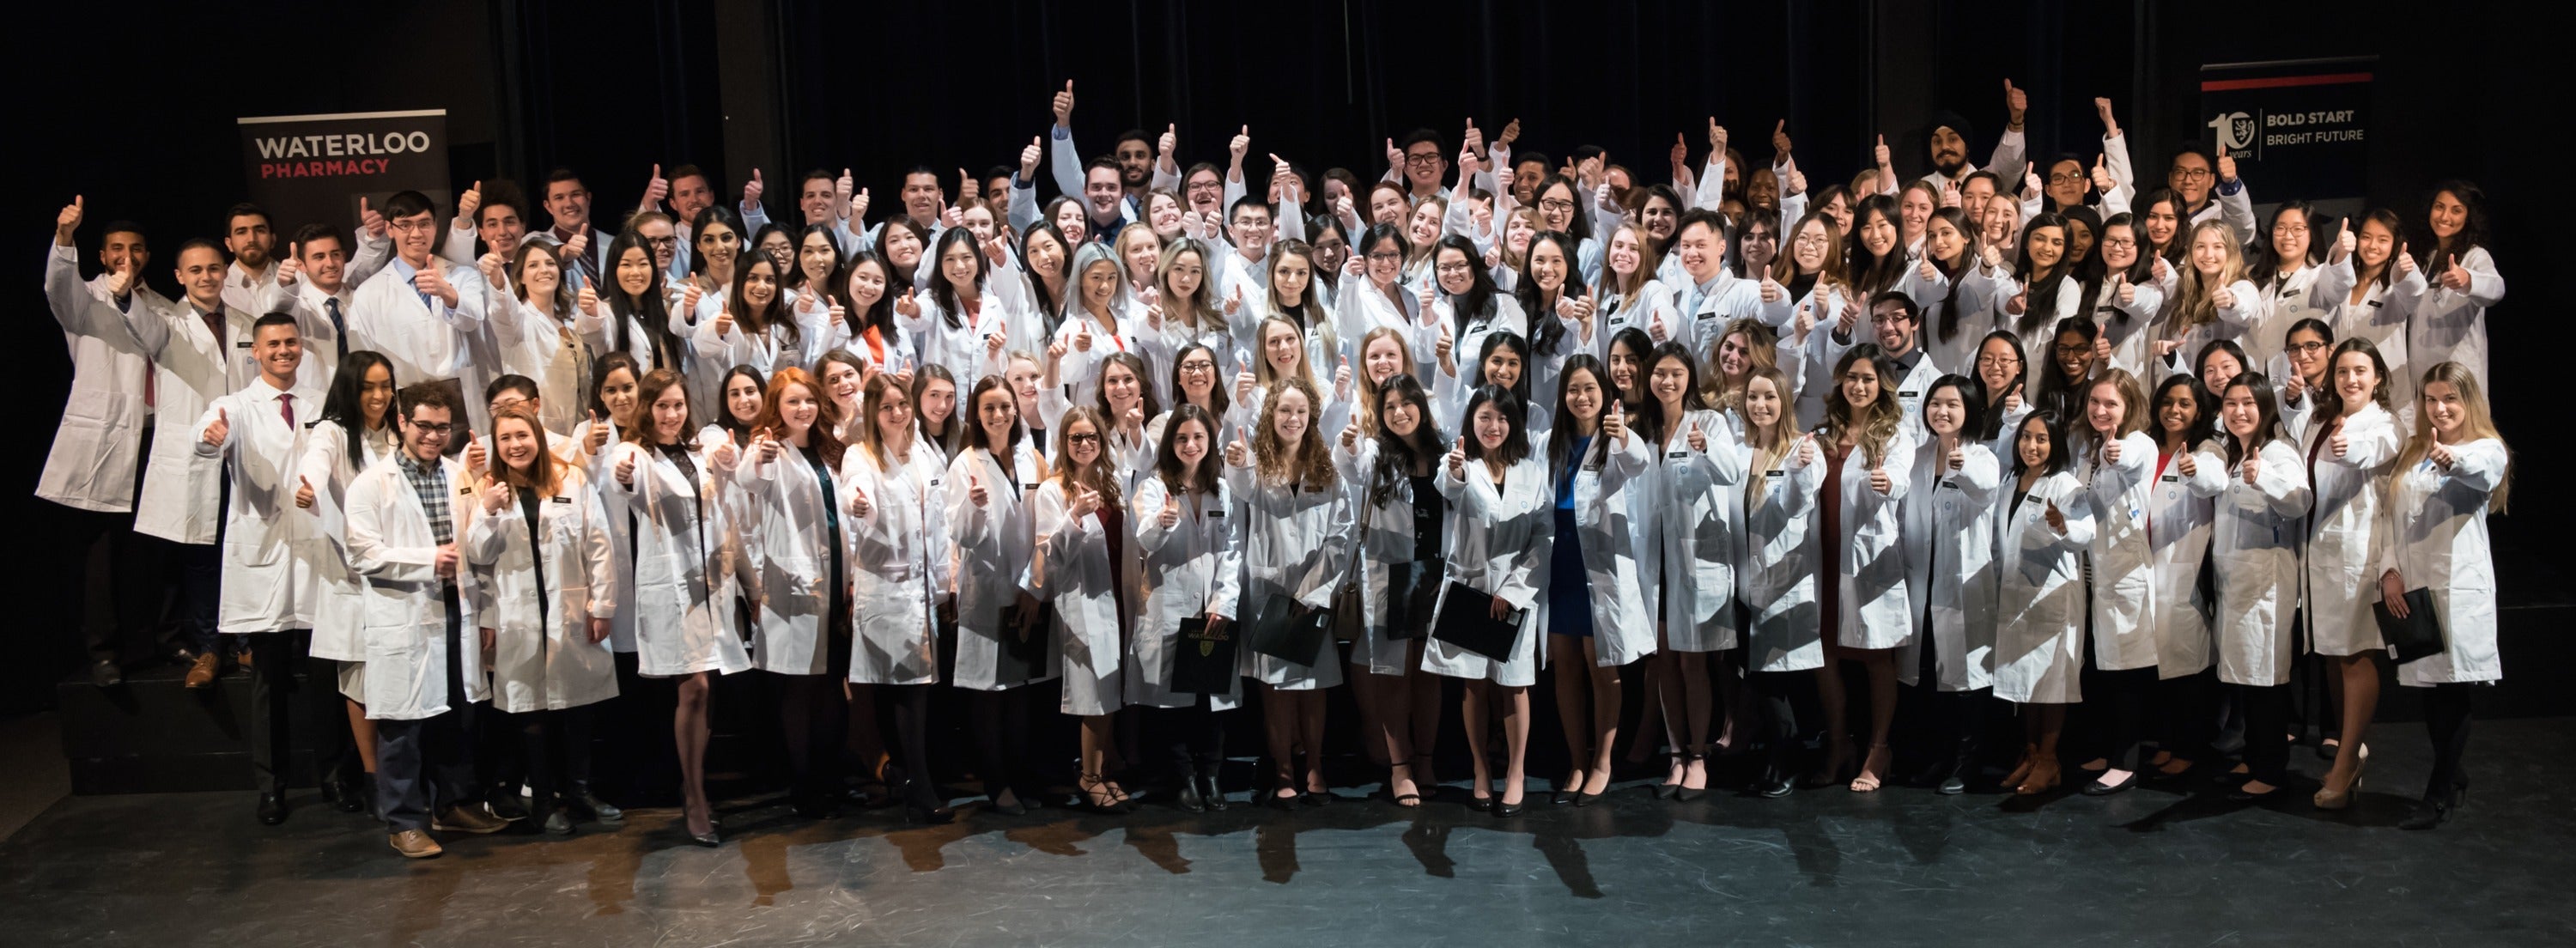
x=1569, y=591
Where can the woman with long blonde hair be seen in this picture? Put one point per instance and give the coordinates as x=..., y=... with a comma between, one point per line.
x=2453, y=470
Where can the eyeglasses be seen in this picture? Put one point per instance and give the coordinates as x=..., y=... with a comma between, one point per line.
x=1196, y=366
x=2074, y=350
x=2120, y=242
x=2289, y=228
x=663, y=241
x=1206, y=186
x=1556, y=205
x=1887, y=319
x=1996, y=362
x=2070, y=177
x=431, y=431
x=1811, y=240
x=1451, y=269
x=1085, y=438
x=1384, y=256
x=2307, y=348
x=2192, y=174
x=1422, y=160
x=412, y=226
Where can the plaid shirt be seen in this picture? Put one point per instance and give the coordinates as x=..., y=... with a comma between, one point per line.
x=429, y=480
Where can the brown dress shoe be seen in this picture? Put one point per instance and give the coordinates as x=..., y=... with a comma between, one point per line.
x=414, y=844
x=467, y=819
x=241, y=659
x=201, y=673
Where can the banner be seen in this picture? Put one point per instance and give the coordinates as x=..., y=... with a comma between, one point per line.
x=2296, y=127
x=308, y=168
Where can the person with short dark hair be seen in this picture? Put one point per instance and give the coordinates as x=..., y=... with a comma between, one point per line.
x=421, y=311
x=271, y=549
x=96, y=457
x=578, y=245
x=424, y=678
x=1123, y=176
x=251, y=241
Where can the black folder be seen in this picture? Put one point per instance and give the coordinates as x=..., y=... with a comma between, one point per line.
x=1203, y=662
x=1288, y=630
x=1467, y=621
x=2417, y=635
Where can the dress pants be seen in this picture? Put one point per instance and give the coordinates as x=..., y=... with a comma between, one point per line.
x=275, y=697
x=425, y=764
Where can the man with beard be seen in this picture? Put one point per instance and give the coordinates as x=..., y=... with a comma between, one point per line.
x=249, y=238
x=1131, y=163
x=820, y=199
x=689, y=192
x=315, y=284
x=1947, y=142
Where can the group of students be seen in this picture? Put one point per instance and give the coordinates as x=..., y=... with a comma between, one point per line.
x=2043, y=445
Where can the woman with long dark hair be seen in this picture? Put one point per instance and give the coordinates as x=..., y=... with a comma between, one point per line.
x=1402, y=539
x=2261, y=493
x=1190, y=559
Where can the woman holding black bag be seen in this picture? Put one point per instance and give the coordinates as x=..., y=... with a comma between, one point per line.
x=1297, y=546
x=1499, y=535
x=1404, y=523
x=1191, y=558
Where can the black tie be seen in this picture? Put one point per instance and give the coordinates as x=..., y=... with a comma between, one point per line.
x=339, y=330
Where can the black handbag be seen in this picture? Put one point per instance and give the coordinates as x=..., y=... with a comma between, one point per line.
x=2417, y=635
x=1412, y=595
x=1020, y=659
x=1203, y=662
x=1288, y=630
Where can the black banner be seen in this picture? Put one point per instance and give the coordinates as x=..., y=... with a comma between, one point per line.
x=308, y=168
x=2297, y=128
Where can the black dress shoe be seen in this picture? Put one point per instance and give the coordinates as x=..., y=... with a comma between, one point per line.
x=1210, y=794
x=507, y=805
x=923, y=805
x=1775, y=786
x=2242, y=795
x=348, y=797
x=1316, y=797
x=1504, y=810
x=104, y=673
x=2099, y=789
x=272, y=808
x=2427, y=814
x=588, y=806
x=1952, y=786
x=1188, y=796
x=559, y=822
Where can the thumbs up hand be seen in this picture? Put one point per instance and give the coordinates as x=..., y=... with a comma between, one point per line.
x=2186, y=465
x=1655, y=325
x=492, y=267
x=725, y=456
x=766, y=441
x=2224, y=297
x=1880, y=482
x=2405, y=262
x=494, y=498
x=1085, y=500
x=588, y=300
x=2455, y=276
x=1240, y=144
x=689, y=297
x=1616, y=425
x=304, y=492
x=656, y=188
x=1806, y=450
x=1171, y=512
x=598, y=436
x=859, y=205
x=1698, y=440
x=907, y=306
x=1082, y=335
x=1029, y=160
x=2343, y=242
x=2226, y=165
x=859, y=506
x=121, y=280
x=751, y=190
x=67, y=221
x=1457, y=457
x=477, y=459
x=626, y=466
x=1238, y=453
x=1351, y=435
x=1879, y=152
x=2056, y=517
x=2102, y=180
x=2111, y=451
x=975, y=492
x=2125, y=290
x=371, y=220
x=219, y=429
x=1063, y=106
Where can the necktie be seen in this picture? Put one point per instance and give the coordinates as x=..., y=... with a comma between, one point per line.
x=339, y=330
x=286, y=410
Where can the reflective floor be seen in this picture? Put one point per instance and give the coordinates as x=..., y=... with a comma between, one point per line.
x=2155, y=866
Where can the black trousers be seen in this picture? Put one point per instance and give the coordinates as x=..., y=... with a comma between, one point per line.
x=1000, y=719
x=1778, y=695
x=555, y=749
x=1956, y=719
x=276, y=698
x=428, y=763
x=2187, y=713
x=1190, y=738
x=814, y=715
x=118, y=574
x=2114, y=710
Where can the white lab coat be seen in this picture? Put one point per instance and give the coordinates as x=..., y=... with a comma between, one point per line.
x=602, y=468
x=1190, y=569
x=272, y=550
x=99, y=441
x=1908, y=389
x=340, y=608
x=1079, y=370
x=545, y=661
x=1875, y=611
x=1694, y=533
x=2437, y=541
x=1083, y=582
x=192, y=368
x=2381, y=316
x=426, y=342
x=2254, y=546
x=792, y=551
x=2231, y=324
x=1950, y=564
x=2039, y=652
x=549, y=352
x=996, y=543
x=2178, y=528
x=1296, y=543
x=310, y=307
x=2451, y=325
x=1500, y=538
x=684, y=576
x=1975, y=308
x=2126, y=608
x=2285, y=302
x=390, y=544
x=2340, y=578
x=1781, y=561
x=900, y=558
x=1615, y=506
x=1386, y=531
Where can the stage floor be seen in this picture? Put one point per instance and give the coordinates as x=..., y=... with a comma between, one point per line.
x=1822, y=867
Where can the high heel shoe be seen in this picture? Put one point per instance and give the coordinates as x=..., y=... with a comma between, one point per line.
x=1689, y=793
x=1872, y=768
x=713, y=837
x=1838, y=761
x=923, y=805
x=2044, y=776
x=2328, y=798
x=1667, y=791
x=2021, y=771
x=1211, y=794
x=1097, y=796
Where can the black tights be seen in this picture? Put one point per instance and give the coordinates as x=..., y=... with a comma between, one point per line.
x=814, y=718
x=546, y=737
x=2446, y=719
x=2267, y=732
x=2115, y=709
x=1778, y=694
x=1190, y=737
x=1001, y=721
x=1958, y=718
x=910, y=705
x=2187, y=714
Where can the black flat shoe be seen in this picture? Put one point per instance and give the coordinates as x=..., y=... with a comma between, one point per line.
x=1775, y=786
x=1188, y=798
x=2242, y=795
x=1952, y=786
x=2426, y=815
x=1504, y=810
x=1588, y=799
x=104, y=673
x=1317, y=798
x=345, y=796
x=921, y=805
x=1210, y=794
x=272, y=808
x=2099, y=789
x=559, y=822
x=1283, y=803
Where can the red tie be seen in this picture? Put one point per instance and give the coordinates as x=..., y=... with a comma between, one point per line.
x=286, y=410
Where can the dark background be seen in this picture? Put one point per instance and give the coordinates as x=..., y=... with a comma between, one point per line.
x=134, y=108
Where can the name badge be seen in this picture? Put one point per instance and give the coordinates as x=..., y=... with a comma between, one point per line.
x=1706, y=316
x=934, y=482
x=1905, y=394
x=242, y=345
x=1953, y=485
x=313, y=422
x=1217, y=513
x=1594, y=467
x=1677, y=455
x=2290, y=293
x=1029, y=487
x=2374, y=304
x=467, y=489
x=1776, y=472
x=560, y=500
x=2172, y=478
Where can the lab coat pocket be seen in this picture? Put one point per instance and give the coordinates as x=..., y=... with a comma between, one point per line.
x=399, y=664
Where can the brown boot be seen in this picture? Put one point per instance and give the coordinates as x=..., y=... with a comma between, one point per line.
x=414, y=844
x=201, y=673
